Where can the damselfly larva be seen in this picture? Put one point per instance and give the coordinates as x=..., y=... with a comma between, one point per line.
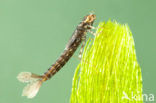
x=35, y=81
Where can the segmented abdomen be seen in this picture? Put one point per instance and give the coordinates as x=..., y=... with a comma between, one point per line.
x=65, y=56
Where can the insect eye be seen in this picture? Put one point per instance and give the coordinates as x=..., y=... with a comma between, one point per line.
x=90, y=18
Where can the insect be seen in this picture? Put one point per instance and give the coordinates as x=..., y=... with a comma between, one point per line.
x=35, y=81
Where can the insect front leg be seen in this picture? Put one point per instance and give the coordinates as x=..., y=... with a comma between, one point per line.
x=93, y=33
x=93, y=28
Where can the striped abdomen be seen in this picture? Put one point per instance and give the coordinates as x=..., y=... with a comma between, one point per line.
x=65, y=56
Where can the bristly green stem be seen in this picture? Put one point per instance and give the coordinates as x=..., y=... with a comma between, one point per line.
x=109, y=71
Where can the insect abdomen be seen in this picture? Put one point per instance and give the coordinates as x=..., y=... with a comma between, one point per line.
x=61, y=61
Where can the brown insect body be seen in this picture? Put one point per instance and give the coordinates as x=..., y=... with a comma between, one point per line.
x=76, y=39
x=35, y=81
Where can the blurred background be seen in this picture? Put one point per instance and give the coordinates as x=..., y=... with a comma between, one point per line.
x=33, y=33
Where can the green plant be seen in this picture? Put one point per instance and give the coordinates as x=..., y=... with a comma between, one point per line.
x=108, y=71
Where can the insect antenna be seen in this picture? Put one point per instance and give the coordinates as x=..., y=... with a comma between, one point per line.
x=33, y=81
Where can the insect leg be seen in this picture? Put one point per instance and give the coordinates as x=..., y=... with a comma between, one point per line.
x=94, y=34
x=94, y=28
x=82, y=46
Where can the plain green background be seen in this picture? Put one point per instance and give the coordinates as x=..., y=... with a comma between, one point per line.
x=33, y=33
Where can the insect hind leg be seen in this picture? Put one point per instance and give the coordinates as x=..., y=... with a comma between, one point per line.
x=81, y=49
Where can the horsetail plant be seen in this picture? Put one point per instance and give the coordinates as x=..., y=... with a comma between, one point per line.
x=108, y=71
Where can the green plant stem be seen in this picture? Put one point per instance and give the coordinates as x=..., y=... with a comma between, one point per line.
x=108, y=71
